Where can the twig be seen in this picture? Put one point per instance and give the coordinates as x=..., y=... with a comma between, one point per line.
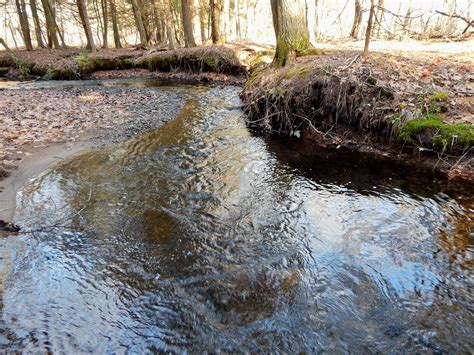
x=351, y=62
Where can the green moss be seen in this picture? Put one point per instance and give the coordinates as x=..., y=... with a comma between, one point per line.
x=438, y=96
x=253, y=76
x=84, y=61
x=301, y=45
x=211, y=62
x=443, y=134
x=24, y=68
x=325, y=69
x=282, y=53
x=277, y=92
x=297, y=71
x=434, y=109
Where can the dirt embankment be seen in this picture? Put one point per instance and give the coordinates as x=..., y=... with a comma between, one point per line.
x=416, y=108
x=205, y=63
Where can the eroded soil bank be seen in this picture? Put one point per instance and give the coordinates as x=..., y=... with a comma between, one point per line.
x=417, y=109
x=229, y=61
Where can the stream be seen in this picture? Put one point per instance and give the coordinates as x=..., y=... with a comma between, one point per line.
x=204, y=236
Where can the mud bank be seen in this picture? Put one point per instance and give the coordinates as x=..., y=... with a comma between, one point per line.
x=382, y=106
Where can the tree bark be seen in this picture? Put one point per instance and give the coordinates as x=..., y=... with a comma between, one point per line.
x=378, y=16
x=291, y=32
x=202, y=22
x=5, y=45
x=113, y=15
x=105, y=29
x=237, y=19
x=225, y=23
x=81, y=6
x=357, y=19
x=36, y=21
x=187, y=16
x=52, y=26
x=24, y=25
x=139, y=23
x=196, y=19
x=216, y=13
x=368, y=32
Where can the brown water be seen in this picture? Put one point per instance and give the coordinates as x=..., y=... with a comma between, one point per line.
x=201, y=236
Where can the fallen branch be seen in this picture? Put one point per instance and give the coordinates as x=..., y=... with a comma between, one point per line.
x=4, y=44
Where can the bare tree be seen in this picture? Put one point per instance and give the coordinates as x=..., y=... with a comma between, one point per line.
x=368, y=32
x=52, y=34
x=378, y=16
x=36, y=21
x=216, y=13
x=105, y=16
x=137, y=14
x=24, y=24
x=82, y=7
x=113, y=15
x=357, y=19
x=187, y=15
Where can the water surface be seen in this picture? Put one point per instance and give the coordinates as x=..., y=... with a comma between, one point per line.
x=201, y=236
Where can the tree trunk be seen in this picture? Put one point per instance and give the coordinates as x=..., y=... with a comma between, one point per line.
x=368, y=32
x=52, y=26
x=50, y=29
x=202, y=21
x=378, y=16
x=291, y=32
x=36, y=21
x=139, y=23
x=238, y=32
x=81, y=6
x=357, y=19
x=187, y=16
x=145, y=19
x=5, y=45
x=113, y=14
x=225, y=23
x=171, y=37
x=159, y=35
x=216, y=14
x=24, y=25
x=196, y=19
x=105, y=29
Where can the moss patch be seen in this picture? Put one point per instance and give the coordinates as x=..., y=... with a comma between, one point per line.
x=297, y=71
x=442, y=134
x=438, y=96
x=216, y=59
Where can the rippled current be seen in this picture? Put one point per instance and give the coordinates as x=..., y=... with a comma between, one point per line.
x=203, y=236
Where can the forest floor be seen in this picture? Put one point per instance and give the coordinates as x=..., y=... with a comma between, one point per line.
x=399, y=85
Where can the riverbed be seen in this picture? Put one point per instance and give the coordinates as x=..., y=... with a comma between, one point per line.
x=202, y=235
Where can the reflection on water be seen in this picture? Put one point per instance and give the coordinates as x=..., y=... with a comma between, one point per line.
x=200, y=236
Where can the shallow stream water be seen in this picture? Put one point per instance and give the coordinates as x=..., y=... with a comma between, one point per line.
x=202, y=236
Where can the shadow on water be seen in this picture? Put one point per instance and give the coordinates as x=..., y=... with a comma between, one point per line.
x=201, y=236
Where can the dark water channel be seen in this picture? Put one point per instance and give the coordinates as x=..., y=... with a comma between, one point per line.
x=201, y=236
